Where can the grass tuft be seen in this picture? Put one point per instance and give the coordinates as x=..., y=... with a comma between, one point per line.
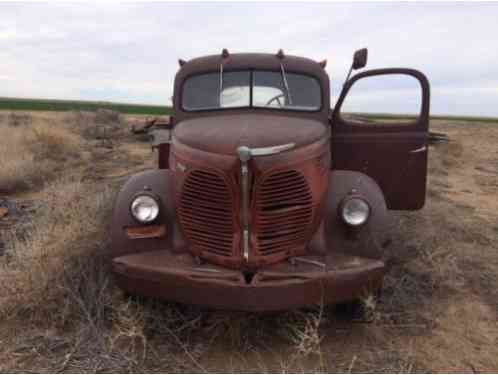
x=30, y=156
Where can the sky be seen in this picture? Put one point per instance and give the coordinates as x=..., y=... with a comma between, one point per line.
x=129, y=52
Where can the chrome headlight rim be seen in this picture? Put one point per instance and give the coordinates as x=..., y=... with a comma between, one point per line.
x=343, y=206
x=149, y=195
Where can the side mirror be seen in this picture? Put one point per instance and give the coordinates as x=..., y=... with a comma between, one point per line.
x=359, y=61
x=360, y=58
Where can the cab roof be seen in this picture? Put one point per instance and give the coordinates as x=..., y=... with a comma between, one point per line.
x=248, y=61
x=262, y=61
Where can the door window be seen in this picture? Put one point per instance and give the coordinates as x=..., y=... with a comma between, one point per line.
x=383, y=99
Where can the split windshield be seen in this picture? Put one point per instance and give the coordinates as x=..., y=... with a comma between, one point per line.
x=261, y=89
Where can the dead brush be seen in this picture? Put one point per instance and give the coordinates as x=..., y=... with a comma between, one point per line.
x=56, y=277
x=17, y=162
x=128, y=336
x=107, y=116
x=49, y=264
x=176, y=327
x=303, y=329
x=19, y=119
x=240, y=329
x=54, y=143
x=103, y=125
x=32, y=155
x=304, y=333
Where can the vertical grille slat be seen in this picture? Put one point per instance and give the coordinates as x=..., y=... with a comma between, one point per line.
x=284, y=212
x=206, y=212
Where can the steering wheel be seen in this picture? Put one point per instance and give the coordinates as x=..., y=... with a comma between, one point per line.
x=276, y=98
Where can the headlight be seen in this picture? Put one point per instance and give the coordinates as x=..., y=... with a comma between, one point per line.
x=145, y=208
x=355, y=211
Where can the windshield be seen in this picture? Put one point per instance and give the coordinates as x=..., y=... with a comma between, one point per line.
x=261, y=89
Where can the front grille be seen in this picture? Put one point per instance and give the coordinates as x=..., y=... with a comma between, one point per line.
x=206, y=212
x=283, y=212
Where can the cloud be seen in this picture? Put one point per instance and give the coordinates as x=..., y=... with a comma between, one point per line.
x=128, y=52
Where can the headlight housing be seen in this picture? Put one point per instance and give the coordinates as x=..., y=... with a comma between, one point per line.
x=144, y=208
x=355, y=211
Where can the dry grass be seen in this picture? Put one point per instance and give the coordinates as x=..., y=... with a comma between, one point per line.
x=60, y=311
x=43, y=265
x=32, y=155
x=104, y=125
x=19, y=119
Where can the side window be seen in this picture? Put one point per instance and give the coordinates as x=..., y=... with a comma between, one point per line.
x=382, y=99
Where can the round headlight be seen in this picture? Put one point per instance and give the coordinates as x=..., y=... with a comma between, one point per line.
x=144, y=208
x=355, y=211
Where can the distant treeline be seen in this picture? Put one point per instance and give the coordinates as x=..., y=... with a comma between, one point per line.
x=14, y=104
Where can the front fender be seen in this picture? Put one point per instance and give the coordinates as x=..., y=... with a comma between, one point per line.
x=334, y=235
x=160, y=183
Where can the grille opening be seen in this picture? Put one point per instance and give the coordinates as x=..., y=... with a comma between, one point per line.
x=206, y=212
x=284, y=234
x=279, y=207
x=284, y=210
x=248, y=276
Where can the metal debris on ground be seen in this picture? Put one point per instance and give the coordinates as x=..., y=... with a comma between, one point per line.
x=437, y=138
x=147, y=125
x=4, y=211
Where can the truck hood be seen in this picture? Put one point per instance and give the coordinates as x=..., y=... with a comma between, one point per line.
x=224, y=134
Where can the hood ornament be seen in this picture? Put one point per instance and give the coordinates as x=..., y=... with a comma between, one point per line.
x=245, y=154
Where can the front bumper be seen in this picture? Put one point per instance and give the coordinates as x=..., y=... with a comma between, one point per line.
x=310, y=279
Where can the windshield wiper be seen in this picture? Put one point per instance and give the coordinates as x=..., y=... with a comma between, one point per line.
x=221, y=83
x=224, y=56
x=286, y=85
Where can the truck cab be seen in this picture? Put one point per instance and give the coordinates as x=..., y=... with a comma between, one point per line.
x=265, y=198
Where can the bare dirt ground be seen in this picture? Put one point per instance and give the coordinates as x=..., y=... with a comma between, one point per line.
x=60, y=312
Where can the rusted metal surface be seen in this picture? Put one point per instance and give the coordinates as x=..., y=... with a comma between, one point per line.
x=149, y=231
x=283, y=286
x=383, y=150
x=206, y=212
x=283, y=212
x=294, y=180
x=224, y=133
x=297, y=250
x=146, y=125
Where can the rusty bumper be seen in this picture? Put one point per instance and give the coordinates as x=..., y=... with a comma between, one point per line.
x=308, y=280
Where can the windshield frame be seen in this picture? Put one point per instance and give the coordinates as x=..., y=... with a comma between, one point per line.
x=251, y=88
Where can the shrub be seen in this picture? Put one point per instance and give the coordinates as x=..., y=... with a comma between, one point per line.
x=19, y=119
x=55, y=270
x=32, y=155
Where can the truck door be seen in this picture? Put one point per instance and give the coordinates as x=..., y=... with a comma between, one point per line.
x=392, y=149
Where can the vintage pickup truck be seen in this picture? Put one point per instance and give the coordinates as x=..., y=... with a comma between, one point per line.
x=265, y=198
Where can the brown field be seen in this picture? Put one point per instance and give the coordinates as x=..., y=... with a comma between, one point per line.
x=60, y=311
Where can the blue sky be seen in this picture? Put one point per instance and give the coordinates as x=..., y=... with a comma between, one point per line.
x=129, y=52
